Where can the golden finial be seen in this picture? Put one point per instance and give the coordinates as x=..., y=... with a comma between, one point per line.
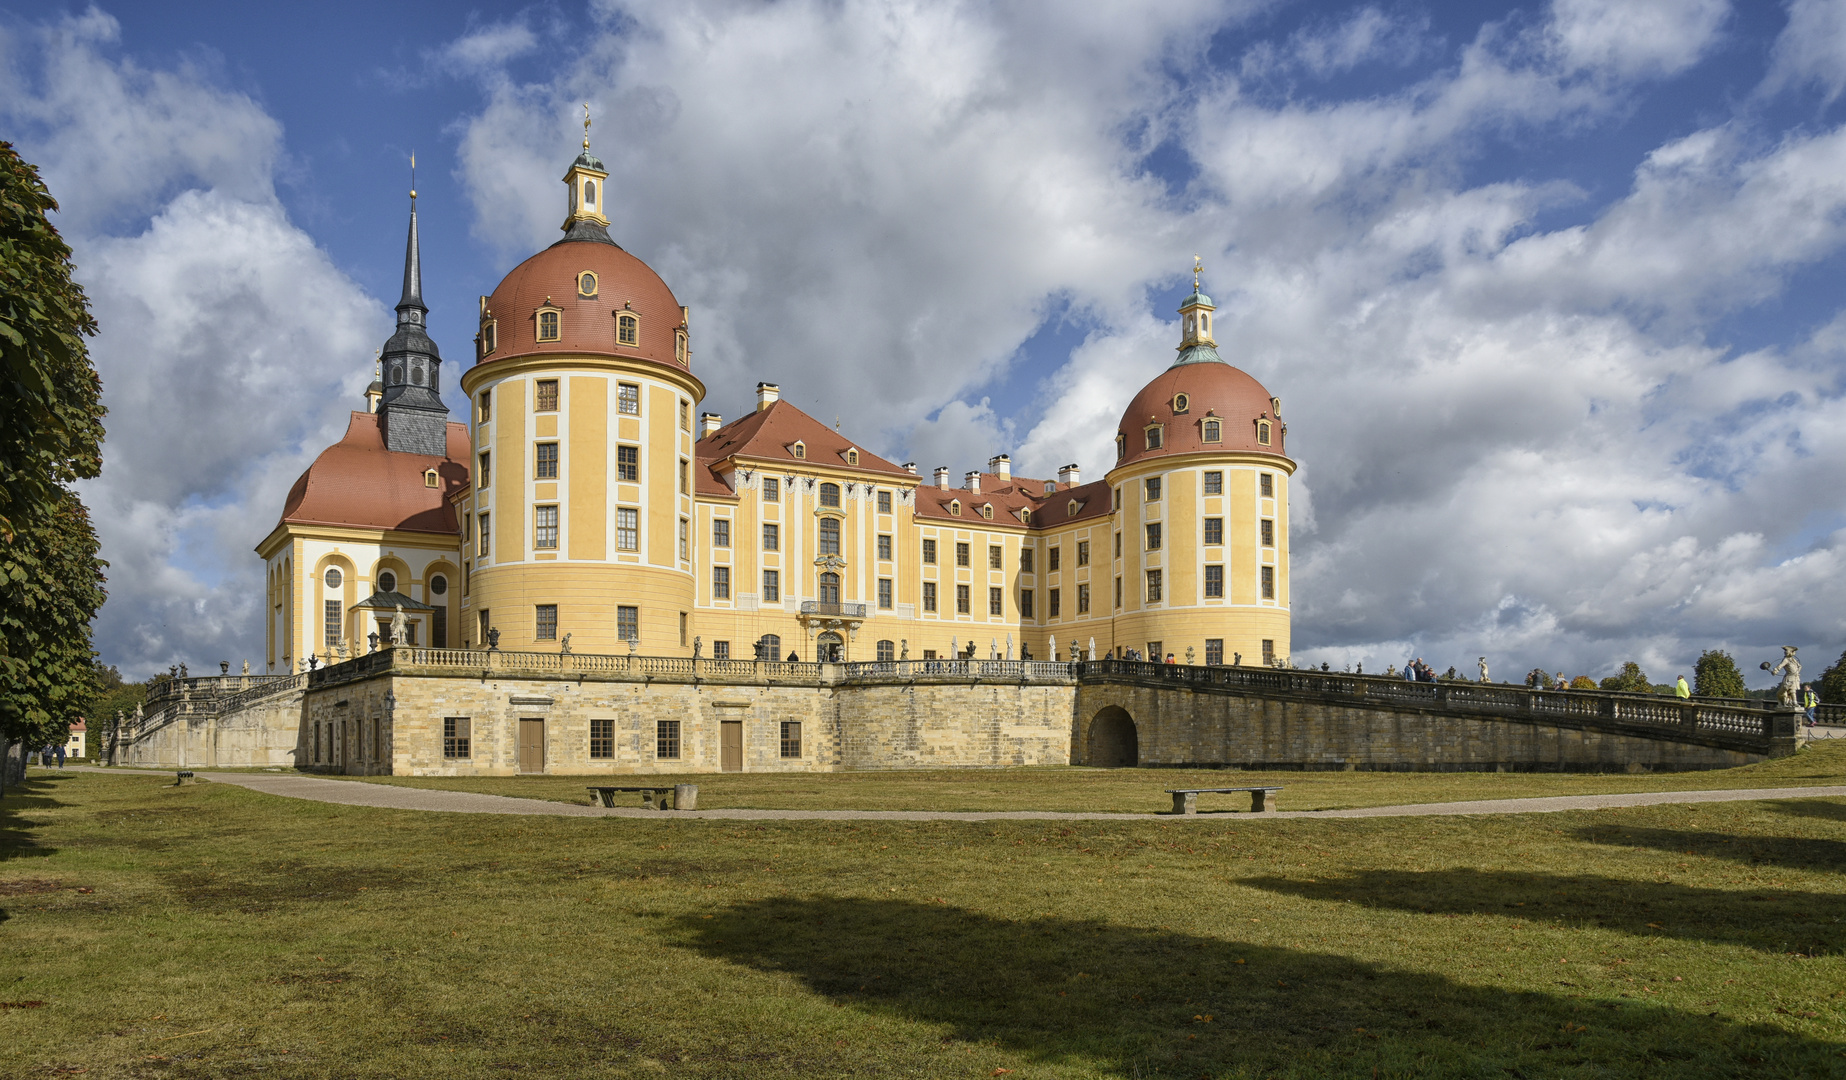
x=586, y=125
x=1198, y=267
x=413, y=174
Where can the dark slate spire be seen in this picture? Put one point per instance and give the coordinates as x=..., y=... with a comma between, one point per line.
x=414, y=419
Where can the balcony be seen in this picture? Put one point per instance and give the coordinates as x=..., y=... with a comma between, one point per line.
x=822, y=609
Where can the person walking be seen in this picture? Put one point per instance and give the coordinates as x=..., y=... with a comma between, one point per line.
x=1681, y=690
x=60, y=755
x=1810, y=701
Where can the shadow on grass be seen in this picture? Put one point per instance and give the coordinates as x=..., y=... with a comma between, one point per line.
x=1776, y=921
x=18, y=840
x=1141, y=1002
x=1825, y=809
x=1795, y=852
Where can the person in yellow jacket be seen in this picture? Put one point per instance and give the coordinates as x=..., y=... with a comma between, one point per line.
x=1809, y=701
x=1680, y=688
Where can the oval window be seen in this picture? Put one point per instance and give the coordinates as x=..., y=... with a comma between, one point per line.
x=387, y=581
x=333, y=577
x=1181, y=403
x=438, y=585
x=586, y=284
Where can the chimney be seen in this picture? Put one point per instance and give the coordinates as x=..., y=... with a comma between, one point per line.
x=1068, y=475
x=974, y=481
x=1001, y=466
x=709, y=422
x=766, y=395
x=942, y=477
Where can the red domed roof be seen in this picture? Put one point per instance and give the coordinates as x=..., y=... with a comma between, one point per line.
x=1214, y=390
x=358, y=482
x=586, y=323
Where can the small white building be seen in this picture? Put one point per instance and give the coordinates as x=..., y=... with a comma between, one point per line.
x=79, y=735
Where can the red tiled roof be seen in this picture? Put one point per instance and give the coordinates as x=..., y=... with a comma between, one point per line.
x=1214, y=388
x=769, y=433
x=357, y=482
x=586, y=324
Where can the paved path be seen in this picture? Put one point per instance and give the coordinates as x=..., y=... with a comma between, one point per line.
x=390, y=796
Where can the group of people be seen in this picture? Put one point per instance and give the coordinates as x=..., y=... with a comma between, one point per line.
x=1418, y=671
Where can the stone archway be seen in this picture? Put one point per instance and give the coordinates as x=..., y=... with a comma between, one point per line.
x=1114, y=742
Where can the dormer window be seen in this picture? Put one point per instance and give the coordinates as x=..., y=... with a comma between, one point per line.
x=800, y=450
x=488, y=338
x=987, y=511
x=955, y=507
x=429, y=478
x=548, y=324
x=1026, y=516
x=679, y=347
x=1121, y=446
x=1181, y=403
x=627, y=328
x=1153, y=437
x=1213, y=431
x=586, y=282
x=852, y=457
x=1262, y=432
x=1071, y=508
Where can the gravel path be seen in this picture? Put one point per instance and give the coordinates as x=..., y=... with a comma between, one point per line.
x=360, y=793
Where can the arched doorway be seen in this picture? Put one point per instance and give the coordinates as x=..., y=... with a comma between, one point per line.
x=829, y=648
x=1114, y=743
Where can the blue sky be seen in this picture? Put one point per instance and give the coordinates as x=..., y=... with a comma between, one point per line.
x=1547, y=288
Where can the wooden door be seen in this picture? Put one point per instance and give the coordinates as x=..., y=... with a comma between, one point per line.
x=531, y=745
x=731, y=746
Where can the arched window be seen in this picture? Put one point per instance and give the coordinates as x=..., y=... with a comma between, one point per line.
x=589, y=197
x=852, y=457
x=1070, y=509
x=887, y=651
x=1181, y=403
x=830, y=495
x=333, y=577
x=1153, y=437
x=829, y=536
x=387, y=581
x=800, y=449
x=769, y=647
x=548, y=326
x=586, y=283
x=987, y=511
x=830, y=588
x=1214, y=431
x=1262, y=432
x=679, y=347
x=429, y=478
x=627, y=329
x=955, y=507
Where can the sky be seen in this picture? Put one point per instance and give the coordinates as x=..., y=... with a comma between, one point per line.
x=1548, y=290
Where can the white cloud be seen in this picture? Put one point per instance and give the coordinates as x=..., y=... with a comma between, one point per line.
x=1811, y=49
x=1637, y=38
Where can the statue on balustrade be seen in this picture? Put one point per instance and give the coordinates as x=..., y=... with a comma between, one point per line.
x=1790, y=670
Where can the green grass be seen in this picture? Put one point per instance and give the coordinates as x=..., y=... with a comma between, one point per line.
x=1138, y=790
x=209, y=931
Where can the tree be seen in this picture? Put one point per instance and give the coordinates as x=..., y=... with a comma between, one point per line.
x=50, y=435
x=1716, y=675
x=1583, y=682
x=1831, y=686
x=1631, y=679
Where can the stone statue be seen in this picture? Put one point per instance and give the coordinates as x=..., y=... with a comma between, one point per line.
x=1359, y=668
x=903, y=648
x=1092, y=649
x=954, y=648
x=993, y=647
x=633, y=644
x=1009, y=646
x=1790, y=669
x=1484, y=677
x=246, y=669
x=493, y=637
x=182, y=671
x=564, y=646
x=400, y=627
x=340, y=650
x=1053, y=650
x=372, y=640
x=1076, y=651
x=698, y=644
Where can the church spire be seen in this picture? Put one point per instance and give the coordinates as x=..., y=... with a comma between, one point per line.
x=585, y=182
x=413, y=261
x=1196, y=345
x=411, y=413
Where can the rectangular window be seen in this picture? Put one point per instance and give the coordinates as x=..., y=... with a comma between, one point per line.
x=1269, y=532
x=1269, y=652
x=685, y=540
x=884, y=546
x=1153, y=488
x=547, y=395
x=884, y=592
x=1269, y=583
x=545, y=527
x=486, y=475
x=1154, y=652
x=720, y=650
x=1118, y=545
x=772, y=489
x=683, y=620
x=455, y=737
x=829, y=536
x=1053, y=606
x=1051, y=560
x=791, y=738
x=721, y=532
x=486, y=537
x=683, y=474
x=627, y=529
x=602, y=738
x=1214, y=581
x=1214, y=483
x=548, y=326
x=994, y=558
x=1115, y=498
x=961, y=554
x=1083, y=599
x=628, y=623
x=1025, y=560
x=439, y=628
x=772, y=588
x=929, y=553
x=1267, y=483
x=1214, y=531
x=487, y=406
x=1118, y=593
x=666, y=738
x=486, y=624
x=884, y=502
x=628, y=399
x=1025, y=603
x=1153, y=536
x=1214, y=651
x=685, y=415
x=720, y=583
x=333, y=623
x=996, y=601
x=1153, y=586
x=772, y=538
x=961, y=599
x=545, y=462
x=547, y=623
x=929, y=596
x=1083, y=553
x=628, y=464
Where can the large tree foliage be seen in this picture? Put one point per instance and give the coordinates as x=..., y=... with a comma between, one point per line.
x=50, y=435
x=1630, y=679
x=1831, y=686
x=1717, y=676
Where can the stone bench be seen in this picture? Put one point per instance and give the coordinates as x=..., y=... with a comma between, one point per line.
x=682, y=796
x=1186, y=800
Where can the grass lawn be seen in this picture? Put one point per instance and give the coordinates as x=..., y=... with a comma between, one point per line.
x=209, y=931
x=1138, y=790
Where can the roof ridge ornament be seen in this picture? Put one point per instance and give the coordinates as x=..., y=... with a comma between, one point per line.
x=586, y=127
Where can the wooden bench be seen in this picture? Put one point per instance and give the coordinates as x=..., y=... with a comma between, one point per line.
x=1186, y=800
x=676, y=796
